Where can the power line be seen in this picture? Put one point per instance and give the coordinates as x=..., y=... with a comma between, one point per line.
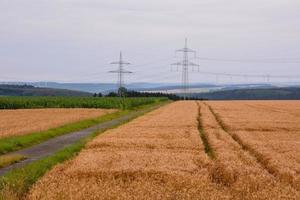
x=185, y=64
x=120, y=71
x=248, y=75
x=266, y=60
x=152, y=63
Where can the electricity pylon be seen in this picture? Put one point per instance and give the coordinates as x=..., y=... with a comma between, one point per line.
x=120, y=71
x=185, y=63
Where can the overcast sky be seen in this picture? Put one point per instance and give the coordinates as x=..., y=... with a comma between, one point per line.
x=75, y=40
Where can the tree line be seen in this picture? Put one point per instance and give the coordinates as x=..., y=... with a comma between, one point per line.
x=123, y=92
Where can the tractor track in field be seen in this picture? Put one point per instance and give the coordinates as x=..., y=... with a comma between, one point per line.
x=53, y=145
x=258, y=157
x=207, y=147
x=261, y=159
x=170, y=160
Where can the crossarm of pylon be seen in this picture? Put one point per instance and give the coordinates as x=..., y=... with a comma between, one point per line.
x=178, y=63
x=114, y=71
x=192, y=64
x=186, y=50
x=122, y=71
x=118, y=63
x=126, y=72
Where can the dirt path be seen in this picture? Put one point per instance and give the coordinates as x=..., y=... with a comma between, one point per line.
x=55, y=144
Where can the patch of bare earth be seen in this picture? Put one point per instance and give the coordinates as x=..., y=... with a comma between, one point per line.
x=161, y=156
x=24, y=121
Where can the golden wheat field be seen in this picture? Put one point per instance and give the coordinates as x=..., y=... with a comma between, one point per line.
x=247, y=150
x=23, y=121
x=268, y=130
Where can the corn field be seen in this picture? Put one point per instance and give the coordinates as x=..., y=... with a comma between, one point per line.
x=74, y=102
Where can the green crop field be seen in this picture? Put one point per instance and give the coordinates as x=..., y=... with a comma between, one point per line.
x=75, y=102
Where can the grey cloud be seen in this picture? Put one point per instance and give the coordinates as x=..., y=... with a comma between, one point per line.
x=64, y=39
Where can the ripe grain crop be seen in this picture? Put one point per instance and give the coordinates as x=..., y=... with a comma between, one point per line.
x=235, y=167
x=24, y=121
x=161, y=156
x=270, y=130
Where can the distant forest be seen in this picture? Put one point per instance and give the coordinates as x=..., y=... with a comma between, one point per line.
x=131, y=93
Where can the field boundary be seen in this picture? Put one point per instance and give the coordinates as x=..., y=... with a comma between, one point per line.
x=49, y=146
x=14, y=143
x=17, y=182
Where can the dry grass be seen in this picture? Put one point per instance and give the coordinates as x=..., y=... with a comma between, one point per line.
x=21, y=122
x=7, y=160
x=161, y=156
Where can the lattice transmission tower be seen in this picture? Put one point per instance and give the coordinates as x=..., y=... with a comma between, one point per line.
x=120, y=71
x=185, y=64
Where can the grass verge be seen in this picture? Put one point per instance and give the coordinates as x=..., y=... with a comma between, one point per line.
x=16, y=183
x=7, y=160
x=10, y=144
x=14, y=143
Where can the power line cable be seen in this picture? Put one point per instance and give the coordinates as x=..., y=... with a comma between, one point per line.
x=265, y=60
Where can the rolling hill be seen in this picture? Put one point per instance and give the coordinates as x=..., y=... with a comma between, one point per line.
x=28, y=90
x=286, y=93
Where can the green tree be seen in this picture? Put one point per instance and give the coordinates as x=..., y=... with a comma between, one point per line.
x=122, y=92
